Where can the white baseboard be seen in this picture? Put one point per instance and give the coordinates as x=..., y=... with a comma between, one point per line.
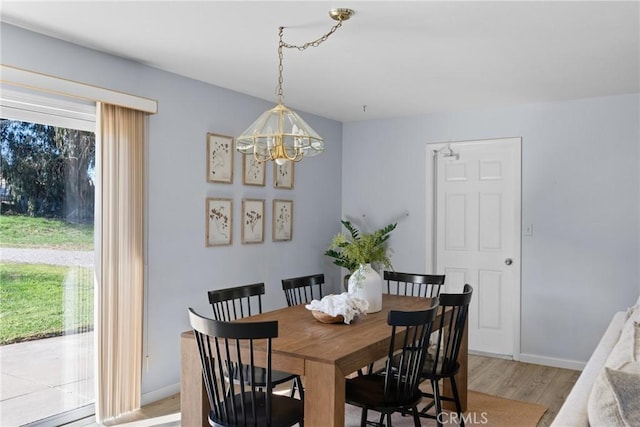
x=575, y=365
x=155, y=395
x=495, y=355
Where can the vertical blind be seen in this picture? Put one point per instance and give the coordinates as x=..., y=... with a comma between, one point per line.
x=119, y=293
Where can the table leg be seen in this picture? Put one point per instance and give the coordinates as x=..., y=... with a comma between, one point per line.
x=194, y=404
x=324, y=395
x=461, y=376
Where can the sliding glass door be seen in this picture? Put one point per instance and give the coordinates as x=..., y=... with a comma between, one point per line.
x=47, y=194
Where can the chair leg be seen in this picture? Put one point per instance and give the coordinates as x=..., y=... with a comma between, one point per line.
x=363, y=418
x=416, y=417
x=456, y=398
x=369, y=370
x=294, y=385
x=300, y=388
x=389, y=420
x=436, y=397
x=297, y=384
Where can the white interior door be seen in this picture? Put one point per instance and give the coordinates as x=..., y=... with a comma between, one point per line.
x=476, y=226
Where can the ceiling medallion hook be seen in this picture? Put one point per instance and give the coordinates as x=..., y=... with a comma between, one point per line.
x=341, y=14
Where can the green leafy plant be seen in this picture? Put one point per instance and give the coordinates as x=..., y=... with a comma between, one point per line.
x=349, y=251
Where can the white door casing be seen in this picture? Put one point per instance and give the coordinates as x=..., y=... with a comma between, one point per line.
x=474, y=223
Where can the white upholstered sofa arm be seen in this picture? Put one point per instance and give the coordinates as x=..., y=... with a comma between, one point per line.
x=573, y=412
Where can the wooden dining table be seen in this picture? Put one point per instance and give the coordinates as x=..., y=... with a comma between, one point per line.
x=324, y=354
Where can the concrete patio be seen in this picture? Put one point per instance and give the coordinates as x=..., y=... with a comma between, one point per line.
x=45, y=377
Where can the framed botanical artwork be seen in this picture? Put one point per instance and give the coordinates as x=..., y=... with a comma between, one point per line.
x=219, y=158
x=253, y=171
x=219, y=221
x=252, y=221
x=282, y=227
x=283, y=175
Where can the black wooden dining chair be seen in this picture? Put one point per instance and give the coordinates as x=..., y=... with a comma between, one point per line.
x=303, y=289
x=234, y=303
x=250, y=401
x=410, y=284
x=396, y=389
x=418, y=285
x=443, y=364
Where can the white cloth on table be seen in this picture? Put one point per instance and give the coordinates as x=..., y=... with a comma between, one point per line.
x=345, y=304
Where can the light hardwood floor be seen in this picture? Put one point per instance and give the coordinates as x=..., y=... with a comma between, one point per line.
x=522, y=381
x=505, y=378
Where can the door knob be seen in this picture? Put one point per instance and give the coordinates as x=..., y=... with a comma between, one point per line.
x=508, y=261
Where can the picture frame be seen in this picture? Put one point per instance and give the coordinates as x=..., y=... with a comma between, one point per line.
x=282, y=227
x=219, y=221
x=252, y=227
x=253, y=171
x=283, y=175
x=219, y=158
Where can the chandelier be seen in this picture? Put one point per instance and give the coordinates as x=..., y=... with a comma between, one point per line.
x=280, y=134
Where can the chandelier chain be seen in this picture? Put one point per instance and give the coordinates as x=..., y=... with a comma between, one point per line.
x=314, y=43
x=282, y=44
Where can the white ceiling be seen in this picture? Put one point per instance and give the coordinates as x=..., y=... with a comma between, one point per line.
x=397, y=58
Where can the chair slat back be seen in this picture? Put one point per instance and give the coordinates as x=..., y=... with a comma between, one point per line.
x=219, y=344
x=303, y=289
x=402, y=379
x=235, y=303
x=409, y=284
x=450, y=330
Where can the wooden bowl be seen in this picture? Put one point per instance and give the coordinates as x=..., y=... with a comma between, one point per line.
x=327, y=318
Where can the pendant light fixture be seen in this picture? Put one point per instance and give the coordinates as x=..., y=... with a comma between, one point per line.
x=280, y=134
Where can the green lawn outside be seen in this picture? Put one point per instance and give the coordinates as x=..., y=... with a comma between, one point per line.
x=19, y=231
x=38, y=301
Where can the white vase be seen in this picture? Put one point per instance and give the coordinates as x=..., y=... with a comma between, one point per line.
x=366, y=283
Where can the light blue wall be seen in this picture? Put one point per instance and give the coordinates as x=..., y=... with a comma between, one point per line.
x=580, y=190
x=180, y=269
